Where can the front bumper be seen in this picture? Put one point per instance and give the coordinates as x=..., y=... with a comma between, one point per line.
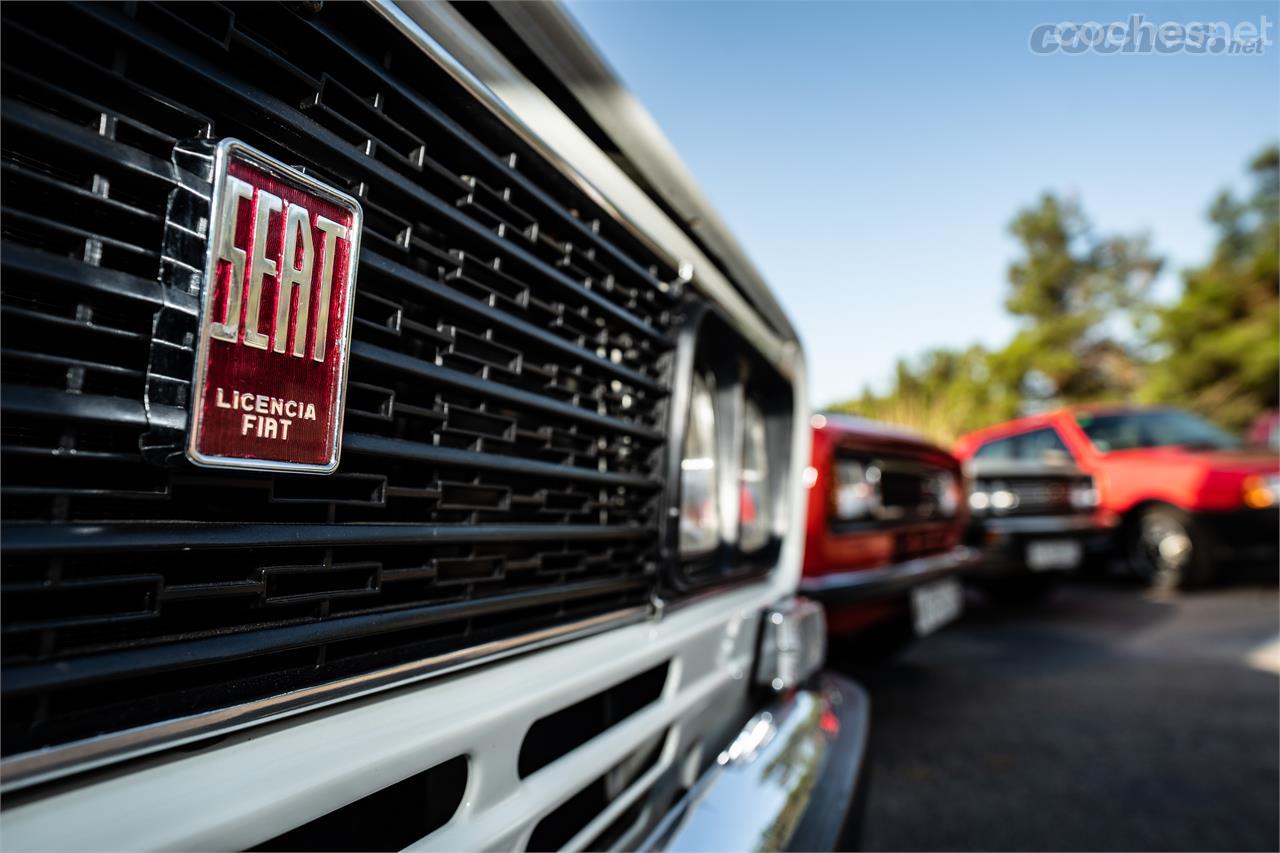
x=873, y=584
x=1243, y=535
x=787, y=782
x=1003, y=541
x=197, y=797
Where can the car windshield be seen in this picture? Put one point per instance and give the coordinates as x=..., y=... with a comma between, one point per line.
x=1158, y=428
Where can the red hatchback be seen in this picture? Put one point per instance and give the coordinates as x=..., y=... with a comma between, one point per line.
x=1190, y=497
x=886, y=526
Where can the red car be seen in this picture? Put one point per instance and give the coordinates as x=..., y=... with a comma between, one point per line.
x=1189, y=496
x=886, y=526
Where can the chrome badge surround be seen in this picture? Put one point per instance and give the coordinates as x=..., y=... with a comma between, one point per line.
x=226, y=149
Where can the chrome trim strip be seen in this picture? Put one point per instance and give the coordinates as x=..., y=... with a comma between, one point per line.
x=1042, y=524
x=865, y=584
x=45, y=765
x=427, y=23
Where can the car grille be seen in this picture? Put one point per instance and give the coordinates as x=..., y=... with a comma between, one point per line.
x=909, y=507
x=1039, y=495
x=507, y=397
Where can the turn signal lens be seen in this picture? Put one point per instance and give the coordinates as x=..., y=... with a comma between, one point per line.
x=793, y=644
x=1261, y=491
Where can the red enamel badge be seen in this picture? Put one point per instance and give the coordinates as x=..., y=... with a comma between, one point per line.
x=275, y=325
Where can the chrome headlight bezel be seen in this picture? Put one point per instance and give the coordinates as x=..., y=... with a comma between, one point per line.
x=756, y=502
x=700, y=518
x=711, y=354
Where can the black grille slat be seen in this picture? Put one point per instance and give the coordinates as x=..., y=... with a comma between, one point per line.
x=374, y=266
x=184, y=654
x=423, y=369
x=506, y=409
x=253, y=103
x=500, y=171
x=104, y=539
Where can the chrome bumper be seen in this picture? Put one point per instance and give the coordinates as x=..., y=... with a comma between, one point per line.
x=867, y=584
x=788, y=781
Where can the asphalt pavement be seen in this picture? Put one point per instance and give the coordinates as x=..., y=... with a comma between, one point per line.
x=1102, y=719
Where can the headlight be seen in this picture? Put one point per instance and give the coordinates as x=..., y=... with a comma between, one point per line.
x=995, y=496
x=726, y=502
x=1003, y=500
x=1261, y=490
x=699, y=481
x=1084, y=495
x=979, y=499
x=856, y=491
x=754, y=515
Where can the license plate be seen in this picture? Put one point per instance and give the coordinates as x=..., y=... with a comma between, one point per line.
x=1053, y=554
x=934, y=605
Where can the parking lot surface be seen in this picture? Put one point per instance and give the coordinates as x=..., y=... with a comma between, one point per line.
x=1102, y=719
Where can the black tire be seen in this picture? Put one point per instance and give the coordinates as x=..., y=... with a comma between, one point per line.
x=1167, y=550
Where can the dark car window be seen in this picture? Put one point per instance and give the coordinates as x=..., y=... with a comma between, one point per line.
x=1157, y=428
x=1002, y=448
x=1036, y=446
x=1042, y=445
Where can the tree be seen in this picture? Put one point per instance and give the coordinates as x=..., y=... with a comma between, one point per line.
x=1219, y=344
x=942, y=394
x=1068, y=287
x=1089, y=333
x=1073, y=290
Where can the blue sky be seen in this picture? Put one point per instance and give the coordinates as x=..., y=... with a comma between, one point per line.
x=871, y=155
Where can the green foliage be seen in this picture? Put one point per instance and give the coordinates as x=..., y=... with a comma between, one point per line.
x=944, y=394
x=1068, y=287
x=1219, y=346
x=1088, y=331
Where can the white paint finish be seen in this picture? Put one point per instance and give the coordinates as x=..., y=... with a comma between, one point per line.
x=239, y=793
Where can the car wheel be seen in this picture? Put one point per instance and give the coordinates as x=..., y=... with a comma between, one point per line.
x=1166, y=549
